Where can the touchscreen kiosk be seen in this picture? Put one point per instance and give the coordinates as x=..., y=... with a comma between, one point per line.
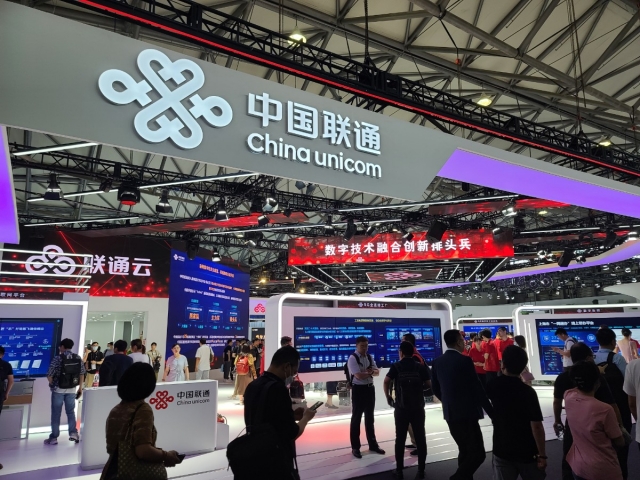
x=30, y=344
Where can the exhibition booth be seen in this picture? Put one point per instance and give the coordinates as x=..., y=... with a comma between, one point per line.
x=476, y=325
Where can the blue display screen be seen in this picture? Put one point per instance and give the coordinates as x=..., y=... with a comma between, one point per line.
x=30, y=344
x=206, y=300
x=478, y=328
x=583, y=330
x=325, y=343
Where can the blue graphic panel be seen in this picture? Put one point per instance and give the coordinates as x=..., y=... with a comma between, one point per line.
x=30, y=344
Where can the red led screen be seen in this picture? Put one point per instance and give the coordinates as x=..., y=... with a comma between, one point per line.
x=390, y=247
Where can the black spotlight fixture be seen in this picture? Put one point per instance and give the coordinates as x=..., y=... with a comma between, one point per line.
x=287, y=211
x=328, y=226
x=300, y=185
x=215, y=256
x=311, y=188
x=106, y=185
x=163, y=205
x=193, y=246
x=565, y=258
x=128, y=194
x=436, y=231
x=256, y=205
x=610, y=239
x=221, y=212
x=270, y=205
x=371, y=230
x=408, y=236
x=351, y=230
x=54, y=192
x=263, y=220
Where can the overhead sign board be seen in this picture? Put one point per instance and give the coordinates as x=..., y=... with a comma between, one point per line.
x=391, y=247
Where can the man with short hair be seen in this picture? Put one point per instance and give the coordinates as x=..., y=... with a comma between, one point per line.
x=114, y=366
x=455, y=383
x=256, y=351
x=109, y=350
x=490, y=352
x=518, y=434
x=409, y=379
x=362, y=368
x=204, y=357
x=136, y=352
x=227, y=358
x=94, y=360
x=502, y=341
x=286, y=342
x=66, y=375
x=6, y=380
x=411, y=338
x=267, y=401
x=569, y=342
x=155, y=358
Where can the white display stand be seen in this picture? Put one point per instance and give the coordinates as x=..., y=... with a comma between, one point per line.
x=11, y=422
x=187, y=423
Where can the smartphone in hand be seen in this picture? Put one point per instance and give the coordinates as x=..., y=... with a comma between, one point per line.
x=181, y=457
x=316, y=405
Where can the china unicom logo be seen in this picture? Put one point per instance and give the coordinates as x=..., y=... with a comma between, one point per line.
x=172, y=87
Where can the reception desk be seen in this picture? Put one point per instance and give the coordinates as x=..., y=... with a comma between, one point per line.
x=185, y=416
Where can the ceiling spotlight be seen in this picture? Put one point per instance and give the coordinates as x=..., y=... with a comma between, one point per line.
x=634, y=280
x=580, y=259
x=302, y=290
x=311, y=188
x=263, y=279
x=106, y=185
x=263, y=220
x=371, y=230
x=351, y=230
x=215, y=256
x=605, y=141
x=128, y=194
x=296, y=37
x=287, y=211
x=163, y=205
x=328, y=226
x=484, y=100
x=627, y=270
x=54, y=192
x=510, y=209
x=256, y=205
x=270, y=205
x=542, y=253
x=300, y=185
x=221, y=212
x=250, y=244
x=436, y=231
x=542, y=212
x=193, y=247
x=408, y=236
x=632, y=235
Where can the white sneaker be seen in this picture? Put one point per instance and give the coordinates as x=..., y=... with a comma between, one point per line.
x=51, y=441
x=73, y=437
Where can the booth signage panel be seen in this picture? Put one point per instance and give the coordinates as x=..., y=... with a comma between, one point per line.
x=376, y=305
x=391, y=247
x=573, y=311
x=103, y=87
x=184, y=415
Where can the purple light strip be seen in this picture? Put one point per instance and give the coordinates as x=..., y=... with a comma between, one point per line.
x=9, y=231
x=477, y=169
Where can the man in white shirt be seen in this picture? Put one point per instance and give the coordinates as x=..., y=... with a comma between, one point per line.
x=362, y=368
x=204, y=356
x=569, y=342
x=632, y=388
x=136, y=352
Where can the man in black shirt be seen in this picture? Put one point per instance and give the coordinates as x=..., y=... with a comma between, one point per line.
x=267, y=401
x=410, y=378
x=227, y=358
x=256, y=351
x=114, y=365
x=579, y=352
x=518, y=434
x=93, y=363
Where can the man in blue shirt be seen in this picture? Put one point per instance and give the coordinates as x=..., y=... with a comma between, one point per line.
x=61, y=395
x=606, y=338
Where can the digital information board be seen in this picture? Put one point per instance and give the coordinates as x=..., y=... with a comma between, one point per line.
x=30, y=344
x=476, y=325
x=582, y=329
x=325, y=343
x=206, y=300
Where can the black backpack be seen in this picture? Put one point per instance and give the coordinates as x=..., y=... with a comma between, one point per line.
x=70, y=370
x=408, y=387
x=615, y=379
x=347, y=374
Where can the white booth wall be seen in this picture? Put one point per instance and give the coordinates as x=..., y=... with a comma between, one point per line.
x=73, y=314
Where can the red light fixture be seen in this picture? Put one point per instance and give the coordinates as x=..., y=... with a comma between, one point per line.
x=128, y=195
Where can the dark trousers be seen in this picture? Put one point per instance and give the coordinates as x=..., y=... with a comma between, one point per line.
x=228, y=371
x=363, y=400
x=468, y=437
x=483, y=379
x=403, y=419
x=490, y=376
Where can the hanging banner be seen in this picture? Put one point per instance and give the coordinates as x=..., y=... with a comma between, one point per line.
x=391, y=247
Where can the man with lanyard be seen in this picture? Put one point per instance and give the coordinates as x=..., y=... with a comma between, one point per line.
x=501, y=342
x=362, y=369
x=569, y=342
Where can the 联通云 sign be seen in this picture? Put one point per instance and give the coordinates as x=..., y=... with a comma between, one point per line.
x=391, y=247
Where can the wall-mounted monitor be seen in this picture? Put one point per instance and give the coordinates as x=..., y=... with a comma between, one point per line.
x=30, y=344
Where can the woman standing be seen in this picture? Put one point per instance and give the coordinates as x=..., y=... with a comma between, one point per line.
x=594, y=428
x=627, y=347
x=130, y=425
x=177, y=367
x=526, y=376
x=477, y=356
x=245, y=372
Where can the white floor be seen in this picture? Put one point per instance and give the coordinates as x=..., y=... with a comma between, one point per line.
x=323, y=450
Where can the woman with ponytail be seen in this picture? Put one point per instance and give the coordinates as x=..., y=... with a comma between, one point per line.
x=594, y=427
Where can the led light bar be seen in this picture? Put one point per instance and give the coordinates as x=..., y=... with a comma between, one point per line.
x=293, y=226
x=42, y=285
x=44, y=274
x=426, y=204
x=71, y=222
x=198, y=180
x=57, y=148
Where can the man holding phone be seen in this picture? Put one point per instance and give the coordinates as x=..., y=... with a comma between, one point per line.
x=362, y=369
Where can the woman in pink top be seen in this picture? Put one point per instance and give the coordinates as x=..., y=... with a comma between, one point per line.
x=594, y=428
x=627, y=346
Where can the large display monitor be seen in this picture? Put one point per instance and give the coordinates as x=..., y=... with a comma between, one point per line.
x=325, y=343
x=582, y=329
x=206, y=300
x=30, y=344
x=476, y=325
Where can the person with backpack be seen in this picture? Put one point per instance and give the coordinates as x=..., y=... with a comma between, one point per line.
x=66, y=377
x=268, y=449
x=245, y=372
x=409, y=379
x=204, y=358
x=362, y=368
x=569, y=342
x=613, y=366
